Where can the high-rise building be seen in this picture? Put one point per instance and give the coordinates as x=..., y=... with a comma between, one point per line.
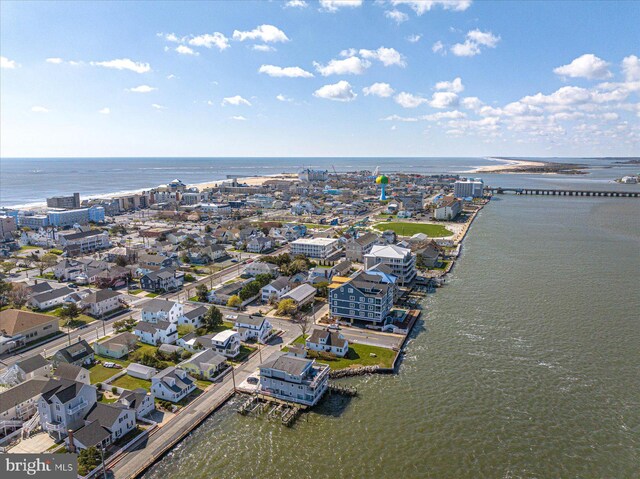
x=64, y=202
x=468, y=188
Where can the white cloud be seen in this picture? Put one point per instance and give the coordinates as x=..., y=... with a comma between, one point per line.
x=388, y=56
x=445, y=115
x=455, y=86
x=55, y=60
x=474, y=41
x=235, y=101
x=438, y=47
x=8, y=64
x=423, y=6
x=340, y=91
x=170, y=37
x=586, y=66
x=281, y=97
x=158, y=107
x=238, y=118
x=296, y=4
x=472, y=103
x=290, y=72
x=399, y=118
x=124, y=64
x=185, y=50
x=383, y=90
x=415, y=38
x=264, y=33
x=443, y=99
x=407, y=100
x=39, y=109
x=263, y=48
x=105, y=111
x=333, y=5
x=171, y=76
x=396, y=15
x=209, y=40
x=631, y=68
x=348, y=66
x=142, y=89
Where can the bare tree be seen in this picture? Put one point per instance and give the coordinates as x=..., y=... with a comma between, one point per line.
x=18, y=295
x=304, y=322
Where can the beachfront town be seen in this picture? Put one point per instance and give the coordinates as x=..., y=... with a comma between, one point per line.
x=128, y=320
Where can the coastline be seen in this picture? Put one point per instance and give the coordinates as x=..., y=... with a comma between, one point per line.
x=517, y=166
x=509, y=164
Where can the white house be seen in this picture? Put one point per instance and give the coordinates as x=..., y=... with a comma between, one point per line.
x=104, y=425
x=314, y=247
x=401, y=261
x=162, y=332
x=172, y=384
x=260, y=267
x=194, y=317
x=141, y=371
x=140, y=400
x=259, y=244
x=64, y=405
x=327, y=341
x=226, y=342
x=36, y=366
x=257, y=328
x=50, y=299
x=162, y=310
x=102, y=302
x=275, y=290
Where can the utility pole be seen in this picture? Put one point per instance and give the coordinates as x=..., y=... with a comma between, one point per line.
x=233, y=378
x=104, y=470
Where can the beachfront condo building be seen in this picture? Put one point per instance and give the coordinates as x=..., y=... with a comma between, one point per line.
x=320, y=248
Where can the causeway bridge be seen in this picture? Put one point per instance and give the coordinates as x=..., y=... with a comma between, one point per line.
x=563, y=192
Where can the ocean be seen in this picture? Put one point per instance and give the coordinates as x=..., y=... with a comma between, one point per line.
x=29, y=181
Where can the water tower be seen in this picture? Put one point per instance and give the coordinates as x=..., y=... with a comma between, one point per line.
x=383, y=181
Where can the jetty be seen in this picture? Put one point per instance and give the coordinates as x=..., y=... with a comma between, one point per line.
x=563, y=192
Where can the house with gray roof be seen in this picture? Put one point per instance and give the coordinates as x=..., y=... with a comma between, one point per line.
x=63, y=406
x=172, y=384
x=20, y=402
x=79, y=354
x=104, y=424
x=275, y=289
x=302, y=295
x=140, y=400
x=71, y=372
x=117, y=346
x=35, y=366
x=294, y=379
x=102, y=302
x=194, y=318
x=50, y=298
x=326, y=341
x=162, y=332
x=207, y=364
x=251, y=328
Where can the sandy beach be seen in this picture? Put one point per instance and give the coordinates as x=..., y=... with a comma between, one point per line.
x=508, y=165
x=249, y=180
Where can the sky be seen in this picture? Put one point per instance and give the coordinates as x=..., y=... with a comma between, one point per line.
x=319, y=78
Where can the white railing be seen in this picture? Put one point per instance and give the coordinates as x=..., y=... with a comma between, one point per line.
x=78, y=407
x=49, y=426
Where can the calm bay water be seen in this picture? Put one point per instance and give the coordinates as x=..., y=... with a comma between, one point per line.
x=526, y=365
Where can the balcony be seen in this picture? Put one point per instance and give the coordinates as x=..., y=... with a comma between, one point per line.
x=77, y=408
x=54, y=427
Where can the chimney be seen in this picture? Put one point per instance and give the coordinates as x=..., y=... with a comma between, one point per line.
x=71, y=447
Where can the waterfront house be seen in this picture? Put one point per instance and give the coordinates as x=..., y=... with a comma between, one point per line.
x=172, y=384
x=102, y=302
x=158, y=309
x=326, y=341
x=71, y=372
x=64, y=405
x=117, y=346
x=161, y=332
x=447, y=208
x=401, y=261
x=79, y=354
x=251, y=328
x=275, y=290
x=205, y=365
x=140, y=400
x=104, y=425
x=364, y=297
x=294, y=379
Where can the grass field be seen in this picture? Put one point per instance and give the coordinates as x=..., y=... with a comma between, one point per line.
x=100, y=374
x=317, y=226
x=131, y=383
x=409, y=229
x=81, y=320
x=358, y=355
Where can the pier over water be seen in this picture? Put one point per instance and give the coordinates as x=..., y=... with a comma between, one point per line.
x=563, y=192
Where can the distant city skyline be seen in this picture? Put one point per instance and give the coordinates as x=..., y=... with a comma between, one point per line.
x=319, y=78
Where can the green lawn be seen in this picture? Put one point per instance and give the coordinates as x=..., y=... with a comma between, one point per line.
x=245, y=351
x=409, y=229
x=122, y=361
x=203, y=384
x=358, y=355
x=131, y=383
x=135, y=291
x=152, y=295
x=75, y=323
x=100, y=374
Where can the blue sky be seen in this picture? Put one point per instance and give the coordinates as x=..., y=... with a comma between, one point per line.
x=320, y=78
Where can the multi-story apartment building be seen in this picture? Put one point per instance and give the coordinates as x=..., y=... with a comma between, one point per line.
x=320, y=248
x=80, y=216
x=294, y=379
x=401, y=261
x=470, y=187
x=7, y=226
x=447, y=208
x=85, y=242
x=310, y=175
x=64, y=202
x=365, y=297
